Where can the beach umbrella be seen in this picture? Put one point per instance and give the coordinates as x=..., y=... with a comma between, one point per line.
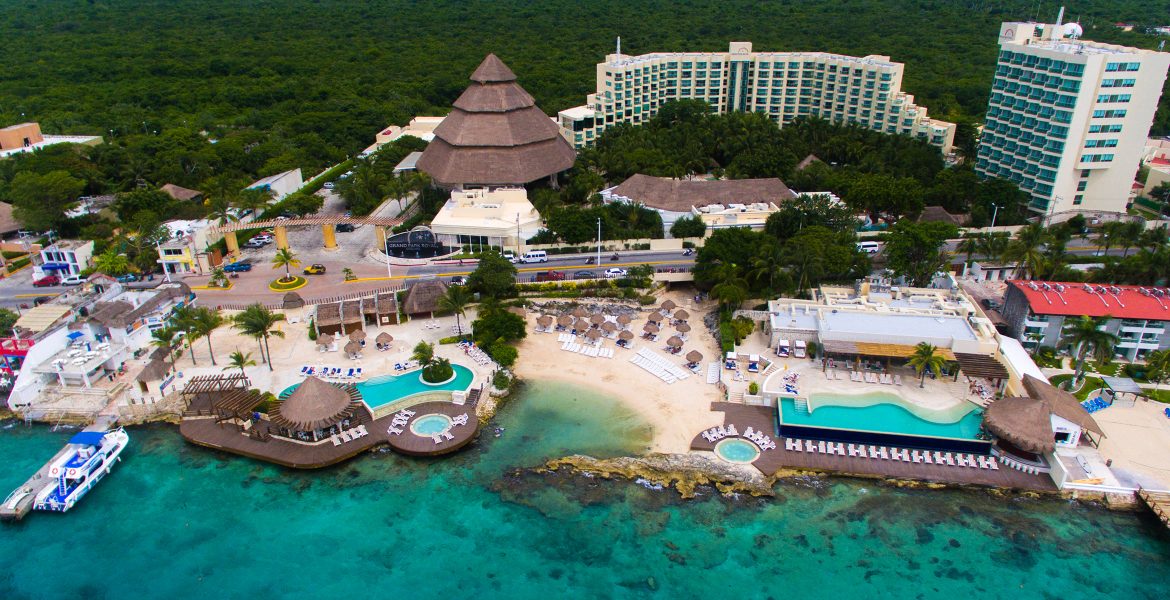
x=694, y=356
x=353, y=348
x=624, y=319
x=544, y=320
x=357, y=335
x=384, y=338
x=626, y=335
x=580, y=312
x=597, y=319
x=650, y=328
x=674, y=342
x=325, y=339
x=593, y=334
x=668, y=305
x=564, y=320
x=609, y=327
x=682, y=327
x=654, y=317
x=681, y=315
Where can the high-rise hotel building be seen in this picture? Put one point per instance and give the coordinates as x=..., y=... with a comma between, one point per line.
x=1068, y=118
x=783, y=85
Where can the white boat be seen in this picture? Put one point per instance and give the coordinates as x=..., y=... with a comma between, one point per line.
x=88, y=458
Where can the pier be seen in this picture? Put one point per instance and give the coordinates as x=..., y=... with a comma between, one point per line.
x=1159, y=502
x=20, y=502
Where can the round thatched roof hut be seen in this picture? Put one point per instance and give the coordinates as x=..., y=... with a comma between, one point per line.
x=654, y=317
x=624, y=319
x=597, y=319
x=694, y=356
x=1025, y=423
x=383, y=338
x=674, y=342
x=681, y=315
x=669, y=305
x=357, y=335
x=593, y=334
x=609, y=326
x=353, y=347
x=580, y=312
x=544, y=320
x=564, y=320
x=682, y=327
x=313, y=406
x=650, y=328
x=325, y=339
x=626, y=335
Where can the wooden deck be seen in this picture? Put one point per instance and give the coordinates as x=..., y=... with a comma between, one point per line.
x=204, y=431
x=763, y=418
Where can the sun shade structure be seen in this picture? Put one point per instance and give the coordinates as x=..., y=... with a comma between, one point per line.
x=981, y=365
x=423, y=297
x=597, y=319
x=357, y=335
x=681, y=315
x=495, y=135
x=877, y=350
x=564, y=320
x=624, y=319
x=593, y=334
x=580, y=312
x=325, y=339
x=544, y=320
x=674, y=342
x=313, y=405
x=650, y=328
x=626, y=335
x=694, y=356
x=682, y=327
x=609, y=326
x=353, y=347
x=383, y=338
x=654, y=317
x=669, y=305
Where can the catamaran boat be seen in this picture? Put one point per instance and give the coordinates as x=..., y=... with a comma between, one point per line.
x=89, y=456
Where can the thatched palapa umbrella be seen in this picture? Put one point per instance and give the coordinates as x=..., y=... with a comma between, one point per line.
x=681, y=315
x=682, y=327
x=593, y=334
x=654, y=317
x=325, y=340
x=564, y=320
x=353, y=348
x=674, y=342
x=669, y=305
x=626, y=335
x=357, y=335
x=383, y=339
x=580, y=312
x=597, y=319
x=624, y=319
x=609, y=326
x=694, y=356
x=650, y=328
x=544, y=321
x=314, y=405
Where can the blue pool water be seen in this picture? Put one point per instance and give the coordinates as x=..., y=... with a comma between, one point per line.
x=737, y=451
x=886, y=413
x=430, y=424
x=384, y=389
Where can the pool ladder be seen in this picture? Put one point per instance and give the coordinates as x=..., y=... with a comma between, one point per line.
x=801, y=404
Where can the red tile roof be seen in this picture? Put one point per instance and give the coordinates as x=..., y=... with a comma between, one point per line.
x=1074, y=299
x=1160, y=161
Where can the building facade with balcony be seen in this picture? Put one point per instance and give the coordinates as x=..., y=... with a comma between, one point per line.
x=1037, y=313
x=866, y=91
x=1067, y=118
x=64, y=258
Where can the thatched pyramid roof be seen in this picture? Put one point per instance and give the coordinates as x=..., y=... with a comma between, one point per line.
x=1062, y=403
x=1024, y=422
x=423, y=297
x=495, y=135
x=313, y=405
x=293, y=300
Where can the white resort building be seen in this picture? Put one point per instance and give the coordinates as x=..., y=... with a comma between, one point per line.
x=783, y=85
x=501, y=217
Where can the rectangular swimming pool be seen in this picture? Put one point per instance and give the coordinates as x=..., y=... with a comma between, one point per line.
x=883, y=418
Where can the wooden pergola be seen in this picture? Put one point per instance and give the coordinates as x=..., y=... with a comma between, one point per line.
x=236, y=404
x=201, y=393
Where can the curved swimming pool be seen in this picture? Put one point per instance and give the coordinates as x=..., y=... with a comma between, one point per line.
x=382, y=390
x=884, y=412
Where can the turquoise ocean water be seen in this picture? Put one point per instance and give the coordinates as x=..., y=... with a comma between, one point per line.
x=176, y=521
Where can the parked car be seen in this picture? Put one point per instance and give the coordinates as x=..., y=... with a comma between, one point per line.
x=459, y=280
x=551, y=276
x=510, y=256
x=328, y=185
x=72, y=280
x=585, y=275
x=127, y=278
x=614, y=273
x=237, y=267
x=345, y=227
x=47, y=281
x=253, y=243
x=317, y=269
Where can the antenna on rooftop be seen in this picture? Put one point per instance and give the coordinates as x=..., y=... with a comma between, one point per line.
x=1060, y=17
x=619, y=47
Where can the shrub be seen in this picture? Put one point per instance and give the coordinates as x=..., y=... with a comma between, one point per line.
x=726, y=336
x=312, y=331
x=501, y=380
x=753, y=388
x=454, y=339
x=646, y=300
x=19, y=263
x=742, y=327
x=503, y=354
x=438, y=371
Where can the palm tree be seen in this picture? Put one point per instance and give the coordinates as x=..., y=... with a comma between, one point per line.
x=731, y=289
x=240, y=360
x=1027, y=249
x=221, y=210
x=206, y=320
x=456, y=300
x=111, y=263
x=285, y=258
x=926, y=358
x=164, y=337
x=768, y=263
x=1131, y=233
x=424, y=353
x=1158, y=367
x=258, y=322
x=184, y=320
x=1086, y=336
x=969, y=246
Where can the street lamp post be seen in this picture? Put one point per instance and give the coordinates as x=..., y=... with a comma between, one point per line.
x=598, y=241
x=994, y=212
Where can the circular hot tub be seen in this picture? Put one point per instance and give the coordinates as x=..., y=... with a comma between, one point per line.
x=737, y=450
x=432, y=424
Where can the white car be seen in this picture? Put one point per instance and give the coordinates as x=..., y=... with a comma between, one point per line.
x=328, y=185
x=510, y=257
x=615, y=273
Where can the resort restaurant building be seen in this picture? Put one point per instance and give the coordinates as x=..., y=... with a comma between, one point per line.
x=718, y=203
x=316, y=410
x=481, y=218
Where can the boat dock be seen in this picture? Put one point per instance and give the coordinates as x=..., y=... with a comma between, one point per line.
x=1159, y=502
x=20, y=502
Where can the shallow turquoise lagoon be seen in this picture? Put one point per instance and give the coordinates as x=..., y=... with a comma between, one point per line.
x=886, y=413
x=177, y=521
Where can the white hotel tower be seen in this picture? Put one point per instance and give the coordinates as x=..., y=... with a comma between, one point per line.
x=783, y=85
x=1068, y=118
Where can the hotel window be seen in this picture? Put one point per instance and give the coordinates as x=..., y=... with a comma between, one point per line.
x=1109, y=114
x=1125, y=67
x=1113, y=98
